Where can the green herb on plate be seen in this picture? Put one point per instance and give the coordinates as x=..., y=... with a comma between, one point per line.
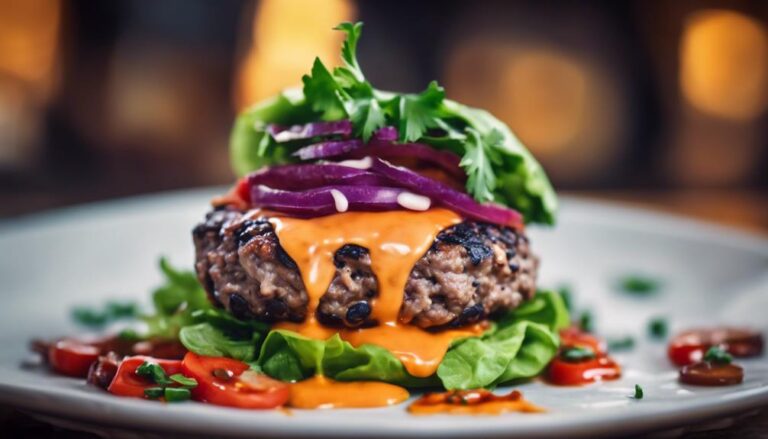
x=577, y=354
x=586, y=321
x=658, y=328
x=176, y=394
x=716, y=354
x=621, y=344
x=638, y=392
x=639, y=285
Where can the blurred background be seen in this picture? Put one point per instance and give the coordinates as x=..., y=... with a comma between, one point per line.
x=662, y=104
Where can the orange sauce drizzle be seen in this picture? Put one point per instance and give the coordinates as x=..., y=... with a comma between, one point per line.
x=472, y=402
x=396, y=240
x=320, y=392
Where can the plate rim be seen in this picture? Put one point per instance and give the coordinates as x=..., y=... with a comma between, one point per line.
x=636, y=420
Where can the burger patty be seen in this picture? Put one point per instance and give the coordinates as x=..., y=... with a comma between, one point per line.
x=471, y=271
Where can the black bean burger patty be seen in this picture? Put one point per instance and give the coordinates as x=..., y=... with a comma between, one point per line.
x=471, y=271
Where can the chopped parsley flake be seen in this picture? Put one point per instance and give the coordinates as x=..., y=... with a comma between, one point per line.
x=577, y=354
x=639, y=285
x=716, y=354
x=638, y=392
x=621, y=344
x=658, y=328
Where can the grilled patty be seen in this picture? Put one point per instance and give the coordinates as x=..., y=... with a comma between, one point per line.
x=471, y=271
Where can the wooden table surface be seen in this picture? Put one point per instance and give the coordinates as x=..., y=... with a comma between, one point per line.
x=745, y=210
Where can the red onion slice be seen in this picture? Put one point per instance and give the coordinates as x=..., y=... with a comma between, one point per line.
x=445, y=195
x=321, y=201
x=387, y=134
x=331, y=148
x=309, y=176
x=445, y=160
x=283, y=134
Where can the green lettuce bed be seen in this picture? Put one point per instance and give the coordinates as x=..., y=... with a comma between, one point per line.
x=518, y=345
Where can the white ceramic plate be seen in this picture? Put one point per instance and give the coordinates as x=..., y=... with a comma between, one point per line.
x=87, y=255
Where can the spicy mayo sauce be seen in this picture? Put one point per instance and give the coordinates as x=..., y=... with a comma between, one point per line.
x=396, y=240
x=472, y=402
x=320, y=392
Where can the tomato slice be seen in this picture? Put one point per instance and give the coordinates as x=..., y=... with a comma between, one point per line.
x=72, y=357
x=690, y=346
x=228, y=382
x=705, y=373
x=575, y=337
x=564, y=373
x=127, y=383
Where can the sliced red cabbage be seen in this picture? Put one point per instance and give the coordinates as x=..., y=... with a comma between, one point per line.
x=447, y=196
x=309, y=176
x=331, y=148
x=445, y=160
x=283, y=134
x=387, y=133
x=321, y=201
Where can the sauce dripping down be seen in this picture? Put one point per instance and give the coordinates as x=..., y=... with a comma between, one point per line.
x=396, y=240
x=472, y=402
x=320, y=392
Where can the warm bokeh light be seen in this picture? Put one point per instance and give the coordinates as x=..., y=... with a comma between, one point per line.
x=724, y=64
x=29, y=32
x=287, y=36
x=559, y=105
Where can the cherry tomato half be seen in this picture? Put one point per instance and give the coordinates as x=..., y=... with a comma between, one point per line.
x=72, y=358
x=564, y=373
x=690, y=346
x=575, y=337
x=228, y=382
x=127, y=383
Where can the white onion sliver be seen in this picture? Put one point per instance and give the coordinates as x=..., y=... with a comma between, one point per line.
x=341, y=202
x=363, y=163
x=413, y=201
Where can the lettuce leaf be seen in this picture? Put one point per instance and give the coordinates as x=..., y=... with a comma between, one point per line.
x=174, y=302
x=288, y=356
x=206, y=339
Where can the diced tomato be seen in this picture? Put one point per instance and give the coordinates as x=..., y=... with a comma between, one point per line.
x=127, y=383
x=244, y=190
x=575, y=337
x=72, y=358
x=564, y=373
x=228, y=382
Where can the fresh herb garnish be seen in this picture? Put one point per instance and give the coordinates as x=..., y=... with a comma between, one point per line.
x=112, y=311
x=576, y=354
x=498, y=167
x=586, y=322
x=658, y=328
x=639, y=285
x=175, y=302
x=129, y=335
x=166, y=384
x=716, y=354
x=621, y=344
x=153, y=392
x=638, y=392
x=154, y=372
x=175, y=394
x=184, y=381
x=566, y=293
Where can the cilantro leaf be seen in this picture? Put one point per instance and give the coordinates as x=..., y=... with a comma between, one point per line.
x=323, y=92
x=481, y=178
x=367, y=116
x=420, y=112
x=349, y=52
